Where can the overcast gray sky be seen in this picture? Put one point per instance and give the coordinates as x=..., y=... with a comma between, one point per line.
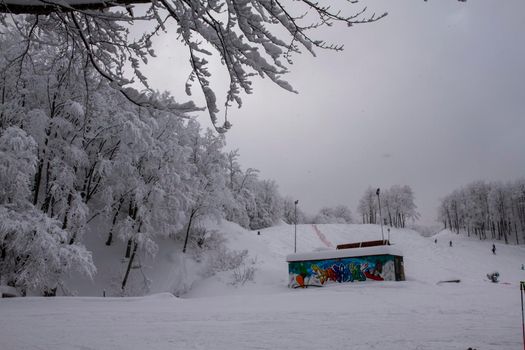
x=432, y=96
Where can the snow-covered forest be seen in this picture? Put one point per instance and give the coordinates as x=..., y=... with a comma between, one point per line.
x=488, y=210
x=75, y=151
x=79, y=144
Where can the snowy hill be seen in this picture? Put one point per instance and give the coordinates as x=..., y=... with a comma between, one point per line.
x=264, y=314
x=425, y=261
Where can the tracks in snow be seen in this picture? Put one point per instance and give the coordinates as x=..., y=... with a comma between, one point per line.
x=322, y=237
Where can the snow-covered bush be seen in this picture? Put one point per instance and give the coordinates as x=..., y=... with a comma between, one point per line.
x=225, y=259
x=201, y=240
x=245, y=272
x=35, y=252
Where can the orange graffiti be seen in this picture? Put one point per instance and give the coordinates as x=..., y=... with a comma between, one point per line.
x=300, y=280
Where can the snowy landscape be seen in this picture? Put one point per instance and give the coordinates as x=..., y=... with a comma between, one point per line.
x=262, y=174
x=419, y=313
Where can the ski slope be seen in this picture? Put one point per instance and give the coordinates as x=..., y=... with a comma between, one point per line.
x=264, y=314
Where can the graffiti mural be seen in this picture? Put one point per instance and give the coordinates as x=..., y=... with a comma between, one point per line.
x=355, y=269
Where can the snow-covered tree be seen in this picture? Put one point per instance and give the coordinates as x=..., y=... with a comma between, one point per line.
x=397, y=206
x=290, y=210
x=94, y=151
x=268, y=205
x=208, y=188
x=35, y=252
x=256, y=37
x=77, y=154
x=368, y=207
x=17, y=165
x=241, y=196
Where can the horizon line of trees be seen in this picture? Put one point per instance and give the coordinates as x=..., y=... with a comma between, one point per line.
x=494, y=210
x=339, y=214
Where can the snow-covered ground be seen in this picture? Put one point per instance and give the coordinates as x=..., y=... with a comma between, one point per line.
x=264, y=314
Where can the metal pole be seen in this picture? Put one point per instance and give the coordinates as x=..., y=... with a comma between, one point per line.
x=295, y=228
x=380, y=216
x=522, y=290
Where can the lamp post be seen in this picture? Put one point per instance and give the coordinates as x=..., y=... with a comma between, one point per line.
x=380, y=216
x=295, y=227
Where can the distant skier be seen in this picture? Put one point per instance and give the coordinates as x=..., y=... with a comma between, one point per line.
x=450, y=243
x=436, y=241
x=494, y=249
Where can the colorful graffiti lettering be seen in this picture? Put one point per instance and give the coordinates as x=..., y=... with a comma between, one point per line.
x=357, y=274
x=302, y=275
x=332, y=276
x=374, y=273
x=317, y=273
x=321, y=275
x=343, y=273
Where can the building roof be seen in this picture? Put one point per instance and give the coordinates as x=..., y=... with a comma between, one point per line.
x=344, y=253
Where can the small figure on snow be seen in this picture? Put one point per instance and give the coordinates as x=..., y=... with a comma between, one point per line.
x=258, y=233
x=523, y=266
x=450, y=243
x=494, y=249
x=436, y=241
x=493, y=277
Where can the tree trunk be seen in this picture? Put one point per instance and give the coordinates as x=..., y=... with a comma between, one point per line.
x=128, y=249
x=132, y=212
x=193, y=211
x=130, y=262
x=38, y=180
x=110, y=235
